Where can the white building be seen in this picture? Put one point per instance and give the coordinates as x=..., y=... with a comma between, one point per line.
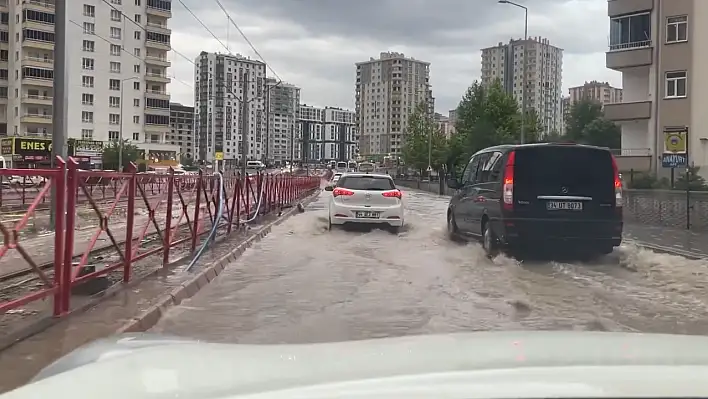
x=544, y=76
x=327, y=134
x=105, y=54
x=182, y=129
x=387, y=91
x=220, y=80
x=600, y=92
x=283, y=101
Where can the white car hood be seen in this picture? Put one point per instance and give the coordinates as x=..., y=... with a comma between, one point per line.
x=472, y=365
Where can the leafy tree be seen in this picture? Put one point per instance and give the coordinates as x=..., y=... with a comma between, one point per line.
x=602, y=132
x=186, y=161
x=581, y=114
x=423, y=137
x=694, y=180
x=131, y=153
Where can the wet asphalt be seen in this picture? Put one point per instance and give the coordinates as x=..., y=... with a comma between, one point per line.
x=305, y=284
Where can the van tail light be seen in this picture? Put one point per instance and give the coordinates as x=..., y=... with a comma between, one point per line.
x=619, y=201
x=342, y=191
x=392, y=194
x=508, y=182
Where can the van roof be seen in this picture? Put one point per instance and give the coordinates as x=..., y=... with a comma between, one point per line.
x=507, y=147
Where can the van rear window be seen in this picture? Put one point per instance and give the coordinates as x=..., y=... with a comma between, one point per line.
x=374, y=183
x=589, y=170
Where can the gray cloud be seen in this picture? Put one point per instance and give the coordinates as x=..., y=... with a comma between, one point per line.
x=315, y=43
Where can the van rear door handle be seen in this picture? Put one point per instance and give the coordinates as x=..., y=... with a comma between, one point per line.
x=480, y=198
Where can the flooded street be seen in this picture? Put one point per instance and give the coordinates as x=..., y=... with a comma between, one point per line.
x=303, y=284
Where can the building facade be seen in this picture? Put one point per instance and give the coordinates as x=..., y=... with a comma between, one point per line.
x=388, y=89
x=116, y=71
x=544, y=76
x=222, y=83
x=182, y=129
x=600, y=92
x=656, y=46
x=327, y=134
x=283, y=102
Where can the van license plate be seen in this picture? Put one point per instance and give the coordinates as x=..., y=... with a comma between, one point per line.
x=368, y=215
x=564, y=206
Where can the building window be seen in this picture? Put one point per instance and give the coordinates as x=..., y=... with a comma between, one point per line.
x=114, y=84
x=115, y=15
x=115, y=33
x=676, y=84
x=630, y=31
x=677, y=29
x=89, y=10
x=87, y=134
x=114, y=119
x=136, y=136
x=114, y=102
x=115, y=49
x=115, y=67
x=87, y=99
x=88, y=63
x=87, y=81
x=89, y=45
x=89, y=28
x=86, y=117
x=113, y=135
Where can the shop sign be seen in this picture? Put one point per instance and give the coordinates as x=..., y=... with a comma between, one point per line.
x=7, y=146
x=30, y=149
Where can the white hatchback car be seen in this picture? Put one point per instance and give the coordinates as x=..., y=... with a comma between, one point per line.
x=364, y=198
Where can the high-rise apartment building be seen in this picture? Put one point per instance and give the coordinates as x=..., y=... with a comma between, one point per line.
x=388, y=89
x=544, y=76
x=601, y=92
x=656, y=45
x=116, y=71
x=327, y=134
x=222, y=83
x=182, y=129
x=283, y=102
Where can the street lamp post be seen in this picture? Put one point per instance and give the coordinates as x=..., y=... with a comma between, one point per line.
x=524, y=78
x=120, y=126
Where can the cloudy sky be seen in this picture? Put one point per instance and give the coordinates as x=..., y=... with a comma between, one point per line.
x=315, y=43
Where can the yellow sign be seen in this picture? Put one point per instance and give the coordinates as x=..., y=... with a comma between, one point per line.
x=219, y=156
x=676, y=142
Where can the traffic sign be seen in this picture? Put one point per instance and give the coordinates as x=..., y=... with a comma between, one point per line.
x=430, y=169
x=219, y=156
x=676, y=142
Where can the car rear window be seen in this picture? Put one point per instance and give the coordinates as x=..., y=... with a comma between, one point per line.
x=377, y=183
x=587, y=169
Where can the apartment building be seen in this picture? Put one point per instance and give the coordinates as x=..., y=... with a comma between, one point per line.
x=182, y=129
x=388, y=89
x=283, y=102
x=327, y=134
x=565, y=113
x=656, y=46
x=601, y=92
x=222, y=83
x=544, y=76
x=445, y=124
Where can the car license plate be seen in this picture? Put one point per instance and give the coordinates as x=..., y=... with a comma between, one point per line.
x=368, y=215
x=564, y=206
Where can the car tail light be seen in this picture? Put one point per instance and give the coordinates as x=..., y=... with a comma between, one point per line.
x=342, y=191
x=508, y=182
x=618, y=184
x=392, y=194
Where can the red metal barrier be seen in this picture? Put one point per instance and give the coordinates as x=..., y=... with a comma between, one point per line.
x=178, y=215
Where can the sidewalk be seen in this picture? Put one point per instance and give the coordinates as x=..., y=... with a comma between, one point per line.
x=664, y=239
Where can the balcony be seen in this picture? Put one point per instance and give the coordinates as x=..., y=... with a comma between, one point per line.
x=636, y=159
x=34, y=81
x=158, y=27
x=157, y=77
x=157, y=61
x=157, y=45
x=629, y=55
x=3, y=5
x=628, y=111
x=44, y=63
x=624, y=7
x=159, y=12
x=37, y=133
x=37, y=99
x=30, y=43
x=39, y=5
x=157, y=94
x=37, y=25
x=157, y=129
x=36, y=118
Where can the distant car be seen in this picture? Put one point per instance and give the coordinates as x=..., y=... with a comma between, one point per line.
x=366, y=198
x=335, y=178
x=545, y=196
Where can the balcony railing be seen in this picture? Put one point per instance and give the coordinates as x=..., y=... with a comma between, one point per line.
x=631, y=152
x=157, y=25
x=153, y=58
x=630, y=46
x=159, y=92
x=36, y=134
x=37, y=97
x=156, y=75
x=42, y=3
x=43, y=116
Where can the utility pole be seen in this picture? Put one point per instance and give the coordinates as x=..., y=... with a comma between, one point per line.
x=244, y=124
x=524, y=81
x=120, y=130
x=60, y=99
x=292, y=147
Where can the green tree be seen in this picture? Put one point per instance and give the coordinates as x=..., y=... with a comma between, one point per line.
x=423, y=138
x=603, y=133
x=692, y=179
x=131, y=153
x=186, y=161
x=581, y=114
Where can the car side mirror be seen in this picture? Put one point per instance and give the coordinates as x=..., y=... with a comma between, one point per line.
x=453, y=183
x=329, y=188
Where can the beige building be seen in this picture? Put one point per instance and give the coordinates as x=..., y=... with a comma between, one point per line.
x=544, y=76
x=388, y=89
x=601, y=92
x=656, y=46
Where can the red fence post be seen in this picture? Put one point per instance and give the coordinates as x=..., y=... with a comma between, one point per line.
x=59, y=236
x=72, y=185
x=168, y=221
x=130, y=223
x=197, y=202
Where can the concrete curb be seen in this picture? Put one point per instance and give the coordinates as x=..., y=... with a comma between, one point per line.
x=151, y=316
x=670, y=251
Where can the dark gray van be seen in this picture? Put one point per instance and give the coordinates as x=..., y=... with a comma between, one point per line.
x=539, y=196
